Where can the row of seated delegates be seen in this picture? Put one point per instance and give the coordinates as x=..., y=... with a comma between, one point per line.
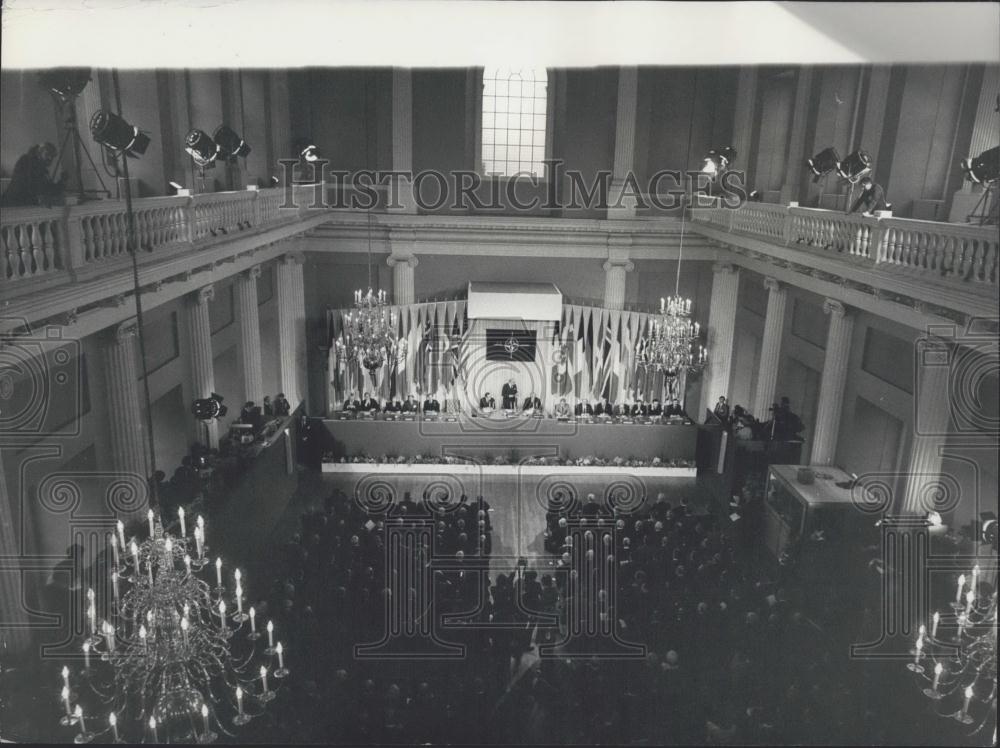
x=655, y=409
x=369, y=404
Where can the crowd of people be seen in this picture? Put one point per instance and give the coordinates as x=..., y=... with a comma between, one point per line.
x=732, y=652
x=783, y=425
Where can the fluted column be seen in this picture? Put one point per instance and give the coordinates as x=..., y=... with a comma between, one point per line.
x=794, y=173
x=129, y=445
x=770, y=350
x=249, y=340
x=721, y=331
x=620, y=206
x=202, y=360
x=10, y=580
x=923, y=472
x=403, y=288
x=831, y=393
x=743, y=119
x=614, y=282
x=291, y=326
x=402, y=137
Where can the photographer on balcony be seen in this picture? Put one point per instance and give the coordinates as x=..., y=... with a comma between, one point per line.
x=872, y=197
x=30, y=183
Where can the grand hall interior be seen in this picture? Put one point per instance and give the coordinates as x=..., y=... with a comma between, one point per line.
x=499, y=373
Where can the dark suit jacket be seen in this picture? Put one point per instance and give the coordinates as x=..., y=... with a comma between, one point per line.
x=352, y=404
x=411, y=406
x=487, y=403
x=371, y=404
x=581, y=408
x=656, y=409
x=532, y=403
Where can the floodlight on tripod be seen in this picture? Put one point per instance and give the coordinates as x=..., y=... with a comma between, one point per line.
x=117, y=135
x=984, y=169
x=855, y=166
x=229, y=144
x=201, y=148
x=823, y=163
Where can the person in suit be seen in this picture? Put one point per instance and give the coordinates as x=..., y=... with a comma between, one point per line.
x=872, y=198
x=411, y=405
x=509, y=395
x=562, y=409
x=392, y=406
x=722, y=409
x=281, y=405
x=30, y=183
x=644, y=409
x=431, y=405
x=268, y=407
x=655, y=409
x=370, y=404
x=583, y=408
x=532, y=402
x=487, y=402
x=351, y=403
x=599, y=408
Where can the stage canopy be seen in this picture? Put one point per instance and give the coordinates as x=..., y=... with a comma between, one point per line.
x=525, y=301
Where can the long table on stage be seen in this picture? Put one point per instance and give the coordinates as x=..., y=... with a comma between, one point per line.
x=483, y=438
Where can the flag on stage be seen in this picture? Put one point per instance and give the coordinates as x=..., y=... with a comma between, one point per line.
x=582, y=355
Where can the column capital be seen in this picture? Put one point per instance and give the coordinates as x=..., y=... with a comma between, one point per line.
x=623, y=263
x=393, y=260
x=773, y=284
x=724, y=267
x=252, y=273
x=203, y=295
x=834, y=308
x=293, y=258
x=124, y=330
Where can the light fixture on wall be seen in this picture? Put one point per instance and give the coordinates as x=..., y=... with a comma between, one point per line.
x=201, y=148
x=823, y=162
x=229, y=144
x=112, y=131
x=857, y=164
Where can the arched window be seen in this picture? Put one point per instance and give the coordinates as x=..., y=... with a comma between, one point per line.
x=515, y=102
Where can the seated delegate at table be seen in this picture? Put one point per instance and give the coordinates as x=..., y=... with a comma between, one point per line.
x=432, y=405
x=352, y=403
x=532, y=402
x=370, y=404
x=487, y=402
x=583, y=408
x=655, y=410
x=562, y=409
x=392, y=406
x=411, y=405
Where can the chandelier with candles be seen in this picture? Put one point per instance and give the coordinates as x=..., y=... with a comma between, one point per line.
x=369, y=335
x=174, y=660
x=957, y=660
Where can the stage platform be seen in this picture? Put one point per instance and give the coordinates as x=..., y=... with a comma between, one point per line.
x=482, y=439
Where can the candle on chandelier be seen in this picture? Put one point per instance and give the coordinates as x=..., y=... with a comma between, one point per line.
x=114, y=548
x=239, y=598
x=197, y=542
x=934, y=624
x=142, y=636
x=253, y=620
x=200, y=521
x=962, y=620
x=961, y=586
x=135, y=556
x=218, y=572
x=149, y=516
x=270, y=634
x=965, y=705
x=975, y=576
x=180, y=516
x=279, y=650
x=65, y=675
x=938, y=669
x=970, y=598
x=79, y=715
x=86, y=655
x=168, y=546
x=92, y=615
x=184, y=629
x=121, y=533
x=918, y=649
x=109, y=633
x=204, y=718
x=187, y=563
x=113, y=721
x=187, y=610
x=152, y=729
x=238, y=576
x=114, y=585
x=65, y=698
x=239, y=699
x=222, y=613
x=263, y=678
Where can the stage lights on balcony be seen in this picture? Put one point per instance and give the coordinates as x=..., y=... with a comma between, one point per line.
x=209, y=408
x=230, y=145
x=823, y=162
x=201, y=148
x=115, y=133
x=855, y=166
x=717, y=161
x=66, y=83
x=984, y=168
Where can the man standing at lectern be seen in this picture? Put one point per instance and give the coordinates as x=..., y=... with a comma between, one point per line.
x=509, y=395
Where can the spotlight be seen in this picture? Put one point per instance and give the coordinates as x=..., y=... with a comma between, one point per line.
x=66, y=83
x=230, y=144
x=207, y=408
x=718, y=160
x=201, y=148
x=855, y=166
x=113, y=132
x=824, y=162
x=983, y=168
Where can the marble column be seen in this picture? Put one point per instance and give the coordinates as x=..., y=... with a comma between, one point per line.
x=794, y=169
x=16, y=638
x=202, y=359
x=402, y=278
x=249, y=340
x=924, y=487
x=743, y=120
x=126, y=411
x=721, y=332
x=831, y=392
x=620, y=206
x=770, y=350
x=402, y=138
x=291, y=325
x=614, y=282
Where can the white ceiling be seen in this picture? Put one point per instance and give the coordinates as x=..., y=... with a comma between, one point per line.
x=228, y=33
